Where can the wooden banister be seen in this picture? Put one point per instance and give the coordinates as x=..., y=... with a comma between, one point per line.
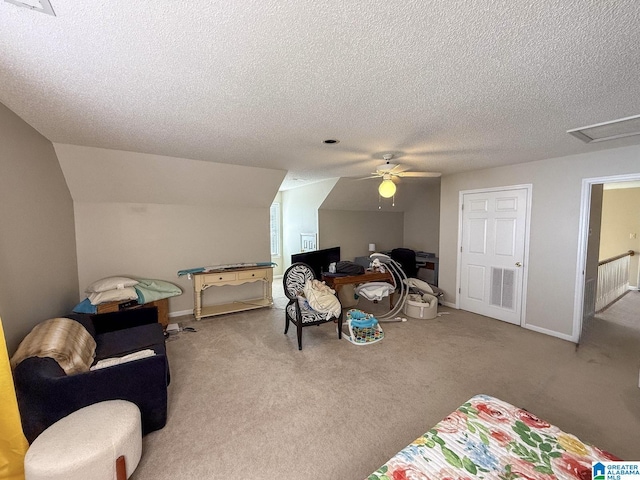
x=630, y=253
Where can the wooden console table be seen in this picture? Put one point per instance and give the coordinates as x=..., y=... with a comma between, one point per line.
x=237, y=276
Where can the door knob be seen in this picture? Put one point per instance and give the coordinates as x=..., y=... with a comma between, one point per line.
x=518, y=264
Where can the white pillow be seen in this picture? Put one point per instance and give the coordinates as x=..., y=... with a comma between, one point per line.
x=110, y=283
x=127, y=293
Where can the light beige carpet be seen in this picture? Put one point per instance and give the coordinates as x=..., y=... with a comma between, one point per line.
x=244, y=403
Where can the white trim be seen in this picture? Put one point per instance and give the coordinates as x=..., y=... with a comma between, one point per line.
x=553, y=333
x=583, y=238
x=527, y=233
x=181, y=313
x=450, y=304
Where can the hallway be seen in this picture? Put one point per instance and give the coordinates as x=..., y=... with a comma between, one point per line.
x=624, y=311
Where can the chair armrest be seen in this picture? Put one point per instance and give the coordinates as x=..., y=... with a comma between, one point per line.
x=46, y=394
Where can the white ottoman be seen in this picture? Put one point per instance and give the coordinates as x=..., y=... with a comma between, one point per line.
x=87, y=444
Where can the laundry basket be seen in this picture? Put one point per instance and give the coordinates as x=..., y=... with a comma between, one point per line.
x=421, y=306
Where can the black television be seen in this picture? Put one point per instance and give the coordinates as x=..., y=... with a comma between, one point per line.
x=318, y=260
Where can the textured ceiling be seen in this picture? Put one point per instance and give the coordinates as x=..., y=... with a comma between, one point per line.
x=450, y=86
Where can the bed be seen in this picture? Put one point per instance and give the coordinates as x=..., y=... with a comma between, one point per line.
x=491, y=439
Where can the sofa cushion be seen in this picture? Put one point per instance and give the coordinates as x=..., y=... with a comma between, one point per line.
x=123, y=342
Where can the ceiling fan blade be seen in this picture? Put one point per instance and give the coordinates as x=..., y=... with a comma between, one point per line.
x=395, y=169
x=419, y=174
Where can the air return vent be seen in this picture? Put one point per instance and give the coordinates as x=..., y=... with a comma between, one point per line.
x=623, y=127
x=42, y=6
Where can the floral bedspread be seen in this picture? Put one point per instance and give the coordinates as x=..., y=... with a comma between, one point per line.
x=491, y=439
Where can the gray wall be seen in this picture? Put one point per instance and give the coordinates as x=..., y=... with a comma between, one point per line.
x=354, y=231
x=355, y=215
x=422, y=219
x=555, y=217
x=38, y=266
x=149, y=216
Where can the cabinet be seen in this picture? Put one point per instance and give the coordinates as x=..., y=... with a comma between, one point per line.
x=239, y=276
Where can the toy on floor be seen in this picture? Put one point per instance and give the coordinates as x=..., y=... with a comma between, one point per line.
x=364, y=328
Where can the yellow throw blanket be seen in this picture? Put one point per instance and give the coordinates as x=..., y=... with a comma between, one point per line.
x=64, y=340
x=13, y=445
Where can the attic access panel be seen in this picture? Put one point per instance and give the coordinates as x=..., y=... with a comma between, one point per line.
x=623, y=127
x=42, y=6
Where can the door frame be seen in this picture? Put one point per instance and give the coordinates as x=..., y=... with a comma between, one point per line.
x=527, y=232
x=583, y=239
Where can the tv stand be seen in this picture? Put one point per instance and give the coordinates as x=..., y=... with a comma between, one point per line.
x=232, y=276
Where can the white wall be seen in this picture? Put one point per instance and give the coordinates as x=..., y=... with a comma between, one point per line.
x=300, y=215
x=278, y=259
x=38, y=266
x=551, y=270
x=150, y=216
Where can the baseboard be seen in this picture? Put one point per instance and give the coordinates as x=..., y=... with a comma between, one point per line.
x=552, y=333
x=180, y=313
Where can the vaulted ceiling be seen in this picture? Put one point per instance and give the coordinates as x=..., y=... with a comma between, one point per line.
x=448, y=86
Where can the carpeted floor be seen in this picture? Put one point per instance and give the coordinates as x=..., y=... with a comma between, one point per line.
x=244, y=403
x=625, y=311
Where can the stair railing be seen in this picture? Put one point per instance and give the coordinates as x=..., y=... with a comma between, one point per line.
x=613, y=279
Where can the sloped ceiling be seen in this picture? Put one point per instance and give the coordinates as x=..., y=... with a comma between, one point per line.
x=97, y=175
x=362, y=195
x=448, y=86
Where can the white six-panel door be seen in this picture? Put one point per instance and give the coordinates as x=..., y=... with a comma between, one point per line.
x=492, y=253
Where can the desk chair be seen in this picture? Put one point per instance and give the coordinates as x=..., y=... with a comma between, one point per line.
x=407, y=260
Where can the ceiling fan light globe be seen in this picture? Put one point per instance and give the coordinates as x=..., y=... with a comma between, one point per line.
x=387, y=189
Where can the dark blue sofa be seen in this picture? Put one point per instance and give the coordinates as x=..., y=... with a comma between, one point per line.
x=46, y=394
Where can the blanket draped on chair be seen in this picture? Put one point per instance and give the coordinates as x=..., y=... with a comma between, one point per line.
x=64, y=340
x=322, y=298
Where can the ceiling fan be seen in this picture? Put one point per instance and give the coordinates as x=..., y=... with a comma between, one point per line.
x=388, y=171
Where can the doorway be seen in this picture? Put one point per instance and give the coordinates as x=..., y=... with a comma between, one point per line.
x=588, y=250
x=493, y=251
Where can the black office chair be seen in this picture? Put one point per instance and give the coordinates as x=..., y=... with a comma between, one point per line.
x=407, y=260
